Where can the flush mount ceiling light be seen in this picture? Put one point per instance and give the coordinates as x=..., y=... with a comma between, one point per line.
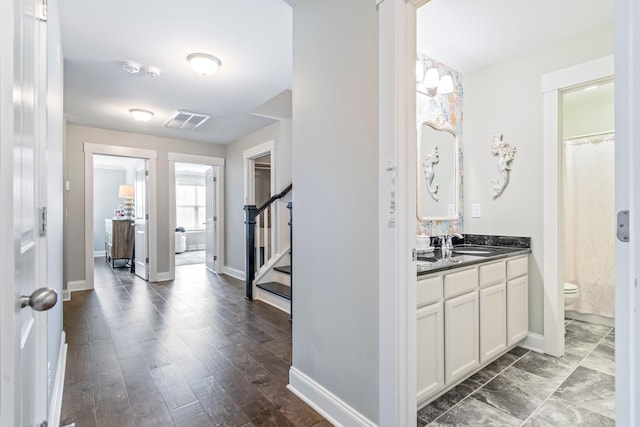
x=431, y=81
x=204, y=64
x=131, y=67
x=141, y=115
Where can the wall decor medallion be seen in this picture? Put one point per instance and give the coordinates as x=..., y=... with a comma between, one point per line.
x=506, y=153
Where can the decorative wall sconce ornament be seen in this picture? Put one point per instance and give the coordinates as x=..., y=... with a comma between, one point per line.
x=506, y=153
x=429, y=160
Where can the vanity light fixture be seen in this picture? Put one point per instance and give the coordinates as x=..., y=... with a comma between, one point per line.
x=204, y=64
x=141, y=115
x=432, y=83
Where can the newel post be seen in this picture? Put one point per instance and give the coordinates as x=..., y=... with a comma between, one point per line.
x=250, y=255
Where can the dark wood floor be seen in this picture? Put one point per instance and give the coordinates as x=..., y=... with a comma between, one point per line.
x=191, y=352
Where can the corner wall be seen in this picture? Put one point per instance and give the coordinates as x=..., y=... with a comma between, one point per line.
x=280, y=132
x=506, y=98
x=335, y=205
x=76, y=136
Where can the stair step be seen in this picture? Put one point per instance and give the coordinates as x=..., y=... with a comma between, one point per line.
x=286, y=269
x=276, y=288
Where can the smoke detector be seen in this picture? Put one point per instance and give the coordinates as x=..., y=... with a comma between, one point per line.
x=152, y=71
x=186, y=120
x=131, y=67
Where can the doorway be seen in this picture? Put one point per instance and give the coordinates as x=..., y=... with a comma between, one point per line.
x=195, y=219
x=588, y=187
x=140, y=209
x=196, y=194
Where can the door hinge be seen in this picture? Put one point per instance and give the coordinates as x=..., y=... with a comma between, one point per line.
x=43, y=11
x=146, y=173
x=43, y=221
x=414, y=255
x=215, y=218
x=44, y=424
x=623, y=226
x=146, y=216
x=215, y=179
x=146, y=260
x=215, y=257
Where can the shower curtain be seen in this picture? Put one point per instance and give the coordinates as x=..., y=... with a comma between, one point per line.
x=589, y=223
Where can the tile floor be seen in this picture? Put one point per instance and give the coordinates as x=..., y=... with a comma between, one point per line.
x=524, y=388
x=191, y=257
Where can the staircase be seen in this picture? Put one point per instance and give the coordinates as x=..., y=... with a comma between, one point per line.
x=268, y=272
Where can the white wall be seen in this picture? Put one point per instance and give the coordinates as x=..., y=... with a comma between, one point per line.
x=74, y=231
x=280, y=132
x=506, y=98
x=335, y=199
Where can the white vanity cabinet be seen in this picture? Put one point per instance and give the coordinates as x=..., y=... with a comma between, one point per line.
x=493, y=310
x=517, y=299
x=430, y=334
x=461, y=324
x=466, y=318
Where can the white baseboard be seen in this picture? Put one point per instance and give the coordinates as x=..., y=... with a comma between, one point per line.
x=324, y=402
x=533, y=342
x=590, y=318
x=280, y=303
x=55, y=411
x=230, y=271
x=164, y=276
x=66, y=295
x=98, y=254
x=77, y=285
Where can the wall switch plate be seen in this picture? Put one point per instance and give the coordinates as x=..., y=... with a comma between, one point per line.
x=475, y=210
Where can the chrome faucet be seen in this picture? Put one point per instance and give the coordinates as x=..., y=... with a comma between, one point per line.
x=450, y=237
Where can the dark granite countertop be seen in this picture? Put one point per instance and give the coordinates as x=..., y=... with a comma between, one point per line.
x=474, y=250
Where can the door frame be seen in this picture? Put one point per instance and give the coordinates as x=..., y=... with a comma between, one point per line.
x=116, y=150
x=552, y=86
x=215, y=162
x=249, y=155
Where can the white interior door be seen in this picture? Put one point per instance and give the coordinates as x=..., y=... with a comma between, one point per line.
x=211, y=220
x=141, y=258
x=29, y=256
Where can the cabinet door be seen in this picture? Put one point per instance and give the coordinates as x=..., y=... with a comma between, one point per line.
x=517, y=310
x=462, y=352
x=430, y=344
x=493, y=321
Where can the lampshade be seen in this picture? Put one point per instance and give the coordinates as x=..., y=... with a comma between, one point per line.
x=432, y=78
x=446, y=84
x=126, y=192
x=203, y=63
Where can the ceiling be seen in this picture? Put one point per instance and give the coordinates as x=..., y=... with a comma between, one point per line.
x=469, y=34
x=253, y=39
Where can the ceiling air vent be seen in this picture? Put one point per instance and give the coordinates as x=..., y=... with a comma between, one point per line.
x=186, y=120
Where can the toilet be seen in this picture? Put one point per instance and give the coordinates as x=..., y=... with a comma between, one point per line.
x=571, y=293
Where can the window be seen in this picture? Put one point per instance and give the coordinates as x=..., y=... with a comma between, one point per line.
x=190, y=206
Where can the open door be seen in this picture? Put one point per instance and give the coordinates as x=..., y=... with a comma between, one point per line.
x=211, y=219
x=23, y=367
x=141, y=245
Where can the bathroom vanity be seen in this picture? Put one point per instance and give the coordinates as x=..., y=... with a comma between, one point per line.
x=472, y=307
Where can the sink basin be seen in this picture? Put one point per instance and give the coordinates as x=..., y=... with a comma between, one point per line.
x=472, y=252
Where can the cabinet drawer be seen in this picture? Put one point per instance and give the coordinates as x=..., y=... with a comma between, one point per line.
x=493, y=273
x=460, y=282
x=429, y=290
x=517, y=267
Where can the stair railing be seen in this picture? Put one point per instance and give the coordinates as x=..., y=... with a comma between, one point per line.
x=261, y=226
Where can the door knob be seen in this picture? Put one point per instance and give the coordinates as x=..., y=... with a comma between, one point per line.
x=40, y=300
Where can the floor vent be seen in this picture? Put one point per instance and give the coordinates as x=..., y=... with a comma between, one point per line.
x=186, y=120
